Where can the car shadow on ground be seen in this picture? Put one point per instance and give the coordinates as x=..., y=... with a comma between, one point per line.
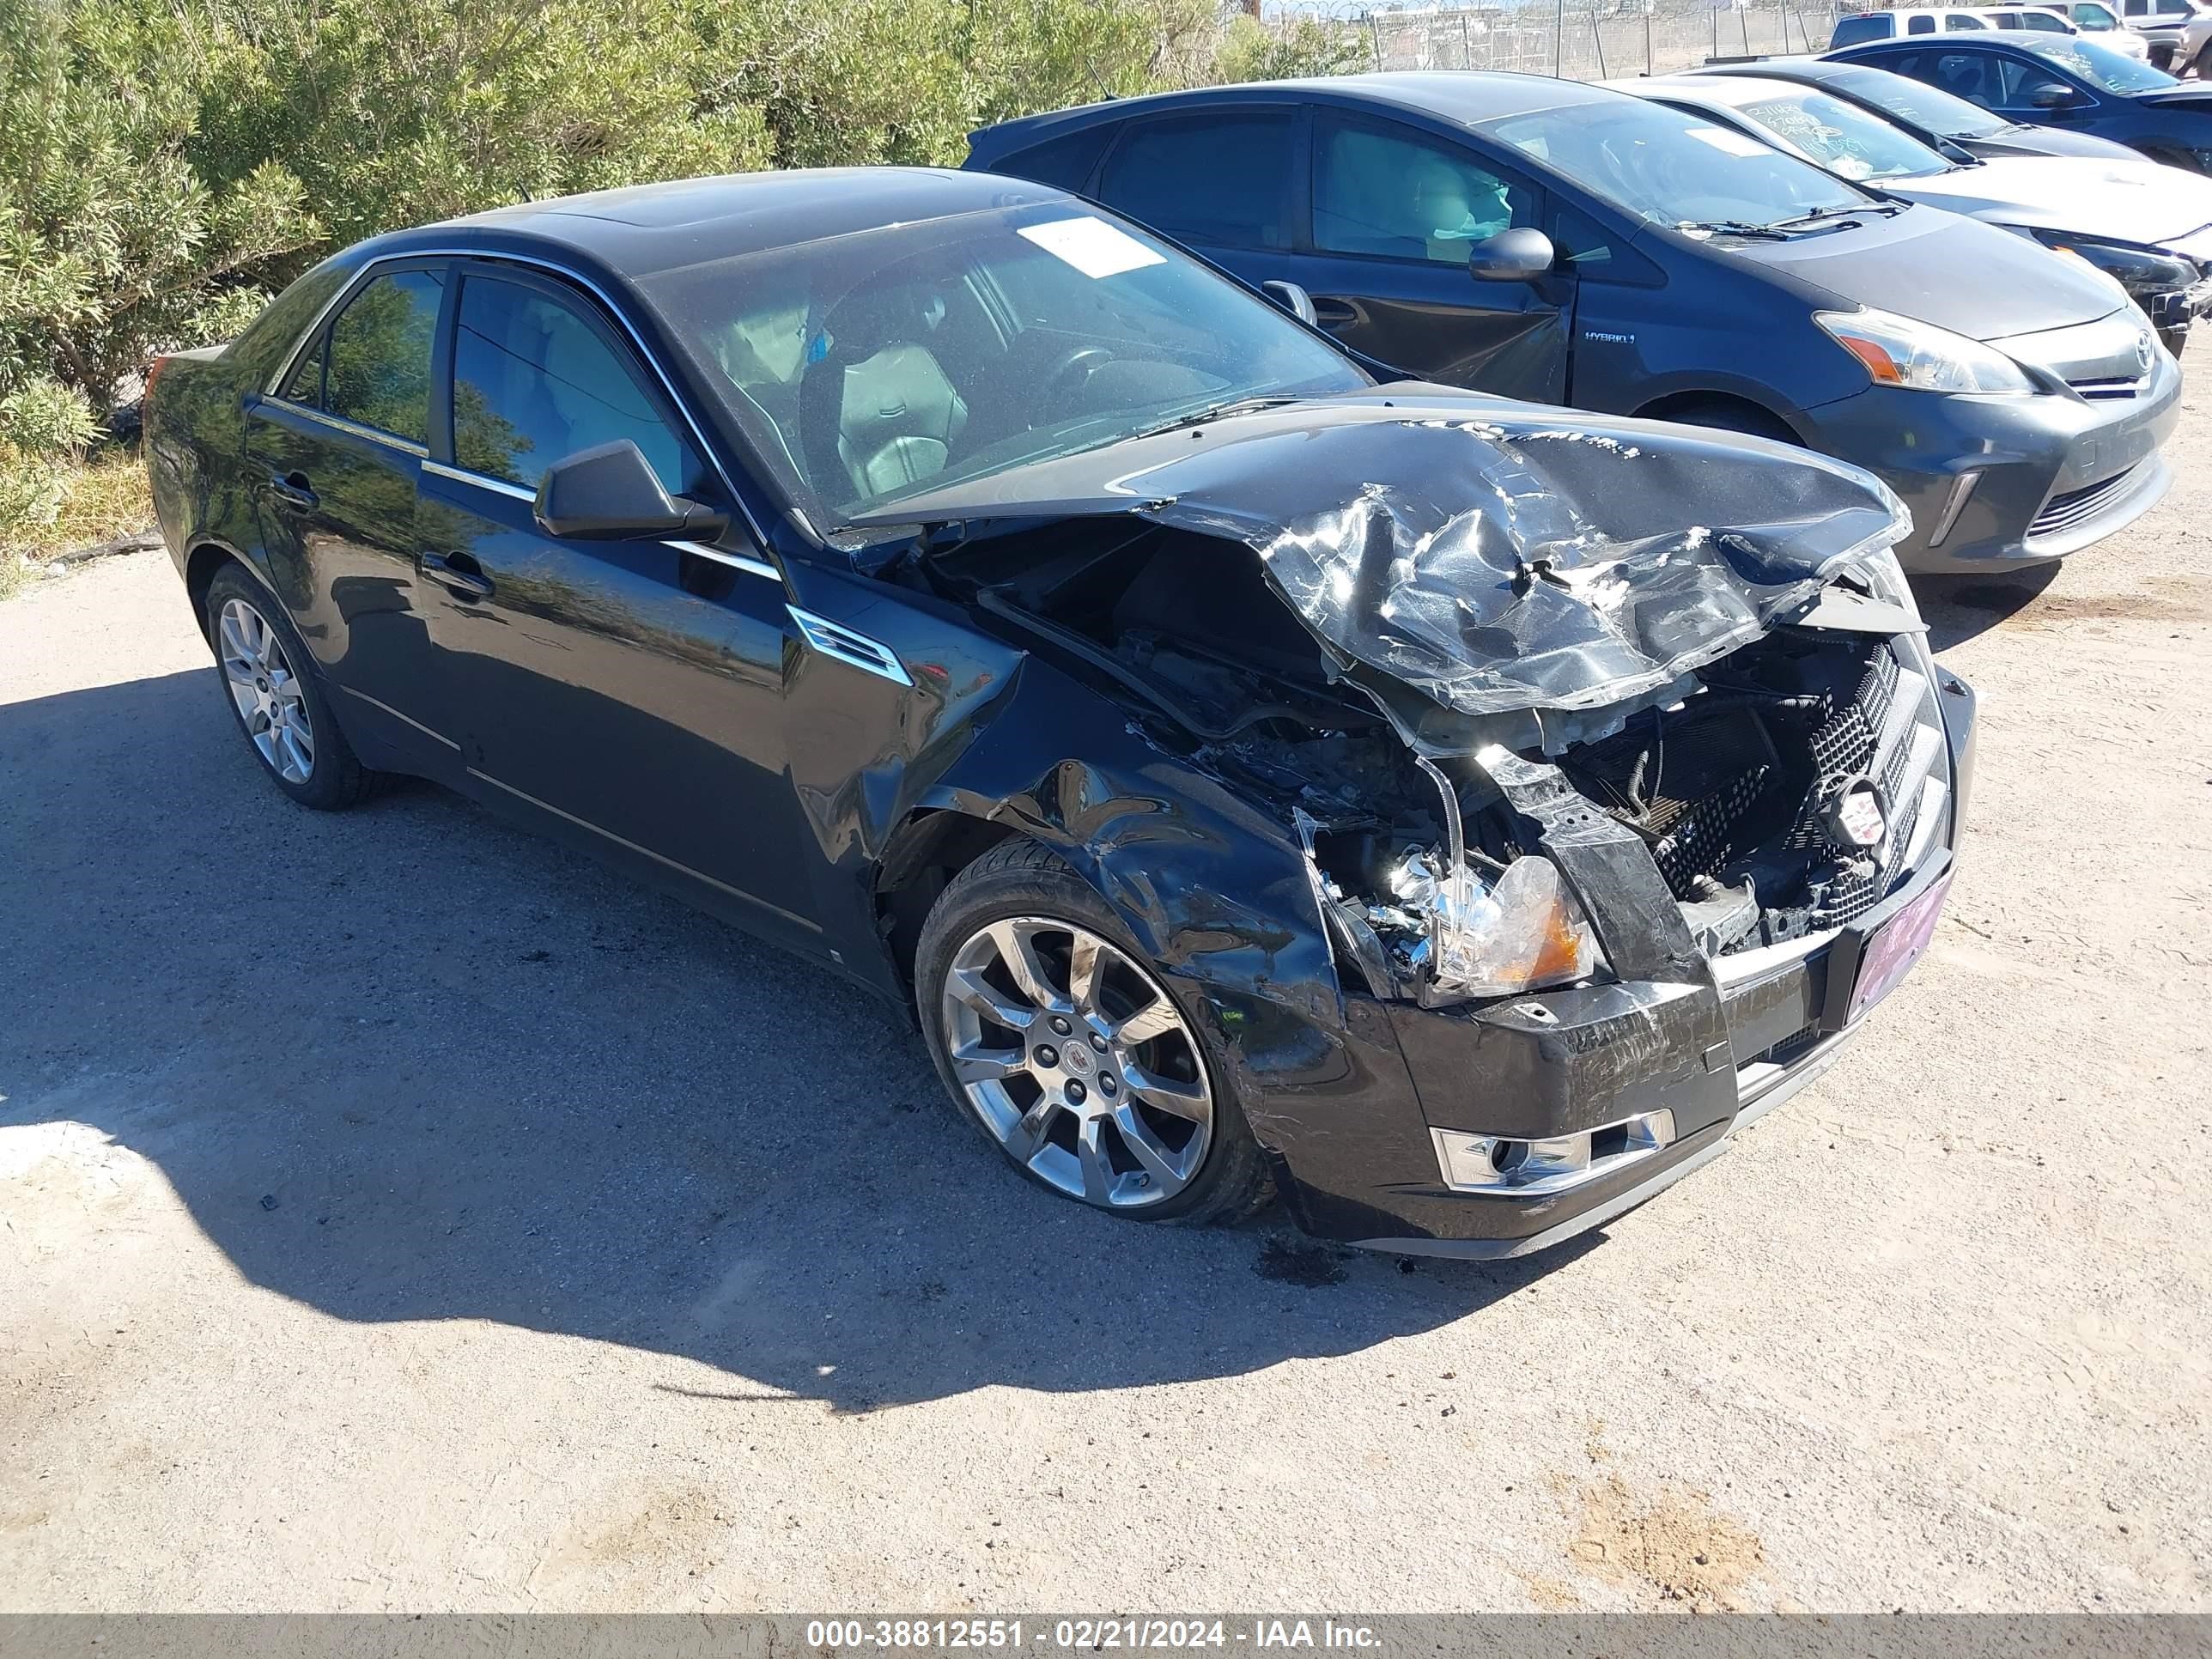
x=1958, y=608
x=404, y=1063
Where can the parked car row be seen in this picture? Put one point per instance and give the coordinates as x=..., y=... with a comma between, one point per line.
x=1348, y=638
x=1631, y=257
x=2164, y=33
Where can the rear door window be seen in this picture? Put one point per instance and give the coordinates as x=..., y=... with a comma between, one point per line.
x=1065, y=163
x=1214, y=180
x=378, y=355
x=1392, y=191
x=535, y=381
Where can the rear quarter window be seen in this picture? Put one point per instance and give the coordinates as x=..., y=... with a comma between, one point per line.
x=1066, y=162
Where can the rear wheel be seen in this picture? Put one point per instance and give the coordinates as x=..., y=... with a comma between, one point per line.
x=1072, y=1051
x=273, y=693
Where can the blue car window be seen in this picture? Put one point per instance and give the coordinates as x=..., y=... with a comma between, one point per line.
x=1399, y=195
x=1220, y=180
x=534, y=383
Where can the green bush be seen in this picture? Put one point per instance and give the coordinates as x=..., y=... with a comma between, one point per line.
x=164, y=164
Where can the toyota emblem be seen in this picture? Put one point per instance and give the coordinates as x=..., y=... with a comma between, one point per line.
x=2144, y=353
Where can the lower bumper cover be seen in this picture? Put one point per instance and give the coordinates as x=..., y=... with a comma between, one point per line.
x=1976, y=473
x=1717, y=1056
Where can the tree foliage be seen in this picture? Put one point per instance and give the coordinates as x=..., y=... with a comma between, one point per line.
x=165, y=164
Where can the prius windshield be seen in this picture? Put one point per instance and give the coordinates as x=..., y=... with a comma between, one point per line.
x=2099, y=66
x=1669, y=168
x=1842, y=137
x=1927, y=107
x=870, y=366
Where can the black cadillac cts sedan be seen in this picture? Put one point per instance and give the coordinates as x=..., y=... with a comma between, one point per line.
x=1457, y=815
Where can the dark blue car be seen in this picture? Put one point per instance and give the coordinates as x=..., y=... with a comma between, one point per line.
x=2061, y=81
x=1572, y=245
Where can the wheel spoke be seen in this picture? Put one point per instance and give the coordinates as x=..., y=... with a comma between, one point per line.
x=1098, y=1169
x=1016, y=944
x=968, y=984
x=1026, y=1139
x=977, y=1065
x=1150, y=1149
x=1189, y=1101
x=1156, y=1018
x=1084, y=962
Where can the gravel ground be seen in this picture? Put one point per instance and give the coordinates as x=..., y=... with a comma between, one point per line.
x=397, y=1213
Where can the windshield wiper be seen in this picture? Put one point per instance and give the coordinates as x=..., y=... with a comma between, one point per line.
x=1213, y=412
x=1822, y=216
x=1732, y=227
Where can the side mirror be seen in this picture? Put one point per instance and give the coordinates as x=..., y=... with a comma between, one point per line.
x=2053, y=95
x=1520, y=255
x=610, y=493
x=1294, y=299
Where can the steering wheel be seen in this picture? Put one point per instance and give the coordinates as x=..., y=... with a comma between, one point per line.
x=1065, y=381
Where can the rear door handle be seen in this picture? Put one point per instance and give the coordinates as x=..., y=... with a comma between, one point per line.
x=457, y=577
x=1333, y=314
x=293, y=490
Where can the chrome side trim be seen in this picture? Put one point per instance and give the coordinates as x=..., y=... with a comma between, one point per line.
x=352, y=429
x=751, y=566
x=833, y=640
x=482, y=480
x=500, y=256
x=647, y=852
x=386, y=707
x=1742, y=966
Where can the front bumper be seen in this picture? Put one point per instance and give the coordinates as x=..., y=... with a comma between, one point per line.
x=1717, y=1057
x=1993, y=482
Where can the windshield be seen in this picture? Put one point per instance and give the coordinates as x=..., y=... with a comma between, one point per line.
x=1675, y=169
x=1842, y=137
x=2099, y=66
x=1925, y=107
x=864, y=368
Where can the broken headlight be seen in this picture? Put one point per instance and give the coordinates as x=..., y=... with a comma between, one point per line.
x=1885, y=580
x=1485, y=935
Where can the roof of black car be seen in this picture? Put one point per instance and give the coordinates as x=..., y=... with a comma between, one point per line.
x=647, y=227
x=1464, y=95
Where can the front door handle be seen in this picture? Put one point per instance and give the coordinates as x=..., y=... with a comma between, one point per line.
x=293, y=490
x=1333, y=314
x=457, y=575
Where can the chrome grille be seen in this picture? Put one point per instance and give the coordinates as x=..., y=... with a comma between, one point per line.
x=2071, y=507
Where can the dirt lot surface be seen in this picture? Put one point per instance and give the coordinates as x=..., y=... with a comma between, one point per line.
x=398, y=1213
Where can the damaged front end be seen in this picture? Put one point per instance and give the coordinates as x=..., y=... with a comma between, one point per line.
x=1624, y=779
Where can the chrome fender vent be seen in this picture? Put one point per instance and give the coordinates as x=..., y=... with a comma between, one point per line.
x=846, y=647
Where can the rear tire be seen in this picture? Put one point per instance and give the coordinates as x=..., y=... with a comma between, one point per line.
x=269, y=683
x=1097, y=1075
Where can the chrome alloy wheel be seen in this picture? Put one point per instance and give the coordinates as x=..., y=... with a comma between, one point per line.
x=266, y=691
x=1078, y=1061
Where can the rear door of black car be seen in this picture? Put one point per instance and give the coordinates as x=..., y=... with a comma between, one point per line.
x=334, y=456
x=623, y=694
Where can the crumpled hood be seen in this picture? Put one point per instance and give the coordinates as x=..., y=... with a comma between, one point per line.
x=2129, y=201
x=1492, y=556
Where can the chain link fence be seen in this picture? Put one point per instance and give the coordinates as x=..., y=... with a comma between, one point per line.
x=1584, y=39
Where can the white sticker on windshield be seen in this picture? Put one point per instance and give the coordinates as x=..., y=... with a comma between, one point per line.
x=1735, y=143
x=1092, y=247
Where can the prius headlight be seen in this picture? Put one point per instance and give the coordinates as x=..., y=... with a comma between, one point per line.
x=2134, y=268
x=1919, y=356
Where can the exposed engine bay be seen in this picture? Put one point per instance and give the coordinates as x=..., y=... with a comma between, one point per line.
x=1774, y=788
x=1430, y=684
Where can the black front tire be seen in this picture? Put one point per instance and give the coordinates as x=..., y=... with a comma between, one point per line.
x=337, y=778
x=1021, y=879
